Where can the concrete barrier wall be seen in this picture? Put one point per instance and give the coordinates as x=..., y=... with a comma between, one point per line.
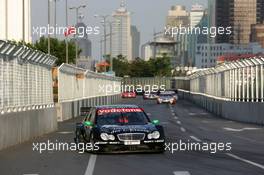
x=68, y=110
x=249, y=112
x=17, y=127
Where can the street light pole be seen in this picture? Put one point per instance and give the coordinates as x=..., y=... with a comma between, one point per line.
x=76, y=36
x=6, y=20
x=104, y=36
x=104, y=17
x=66, y=40
x=76, y=43
x=55, y=18
x=111, y=58
x=23, y=20
x=48, y=27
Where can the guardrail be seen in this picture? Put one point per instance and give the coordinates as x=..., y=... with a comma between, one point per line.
x=241, y=80
x=77, y=84
x=77, y=87
x=25, y=78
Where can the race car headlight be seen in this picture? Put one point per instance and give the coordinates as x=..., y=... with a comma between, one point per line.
x=154, y=135
x=111, y=137
x=105, y=136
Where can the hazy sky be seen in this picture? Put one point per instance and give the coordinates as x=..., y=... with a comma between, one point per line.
x=147, y=14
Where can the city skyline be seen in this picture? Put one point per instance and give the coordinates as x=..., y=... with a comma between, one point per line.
x=157, y=22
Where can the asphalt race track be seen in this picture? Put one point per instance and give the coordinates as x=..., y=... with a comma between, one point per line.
x=183, y=121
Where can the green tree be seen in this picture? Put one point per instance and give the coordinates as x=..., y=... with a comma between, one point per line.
x=161, y=65
x=57, y=48
x=141, y=68
x=121, y=66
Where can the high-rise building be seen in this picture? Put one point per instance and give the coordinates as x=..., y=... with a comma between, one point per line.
x=135, y=34
x=164, y=46
x=178, y=15
x=196, y=38
x=257, y=34
x=211, y=4
x=244, y=15
x=83, y=42
x=146, y=51
x=240, y=15
x=207, y=54
x=15, y=20
x=121, y=39
x=196, y=14
x=260, y=11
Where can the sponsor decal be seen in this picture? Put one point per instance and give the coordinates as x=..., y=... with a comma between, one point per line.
x=118, y=110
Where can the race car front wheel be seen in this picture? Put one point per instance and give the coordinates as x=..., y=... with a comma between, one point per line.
x=77, y=138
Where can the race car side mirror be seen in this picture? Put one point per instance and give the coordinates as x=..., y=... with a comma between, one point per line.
x=88, y=123
x=155, y=122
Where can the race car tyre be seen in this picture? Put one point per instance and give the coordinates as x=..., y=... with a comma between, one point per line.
x=77, y=138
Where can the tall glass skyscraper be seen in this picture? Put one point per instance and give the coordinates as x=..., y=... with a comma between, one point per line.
x=121, y=39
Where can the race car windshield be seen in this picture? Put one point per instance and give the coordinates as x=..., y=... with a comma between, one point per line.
x=122, y=118
x=166, y=95
x=152, y=93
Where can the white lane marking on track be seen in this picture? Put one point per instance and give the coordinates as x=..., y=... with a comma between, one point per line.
x=196, y=139
x=179, y=122
x=248, y=139
x=91, y=165
x=239, y=130
x=245, y=160
x=191, y=113
x=65, y=132
x=183, y=129
x=173, y=114
x=176, y=118
x=181, y=173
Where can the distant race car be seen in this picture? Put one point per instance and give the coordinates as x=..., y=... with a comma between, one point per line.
x=150, y=95
x=129, y=94
x=120, y=128
x=167, y=97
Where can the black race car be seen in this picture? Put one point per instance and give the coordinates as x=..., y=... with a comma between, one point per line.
x=120, y=128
